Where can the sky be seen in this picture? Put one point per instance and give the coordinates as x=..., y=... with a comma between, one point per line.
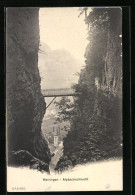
x=60, y=28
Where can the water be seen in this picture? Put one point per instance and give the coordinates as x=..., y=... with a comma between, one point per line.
x=58, y=152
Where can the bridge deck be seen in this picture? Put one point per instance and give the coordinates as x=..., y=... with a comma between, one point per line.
x=58, y=92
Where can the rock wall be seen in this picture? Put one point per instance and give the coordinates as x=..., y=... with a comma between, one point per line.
x=112, y=75
x=96, y=127
x=25, y=103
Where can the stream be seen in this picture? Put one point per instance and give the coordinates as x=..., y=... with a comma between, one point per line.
x=58, y=152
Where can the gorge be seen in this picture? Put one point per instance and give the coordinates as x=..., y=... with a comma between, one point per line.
x=95, y=116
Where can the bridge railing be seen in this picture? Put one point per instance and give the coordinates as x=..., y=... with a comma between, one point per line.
x=58, y=92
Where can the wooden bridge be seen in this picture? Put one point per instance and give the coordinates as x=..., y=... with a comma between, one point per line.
x=58, y=92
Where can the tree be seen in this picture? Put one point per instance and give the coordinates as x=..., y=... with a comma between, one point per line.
x=65, y=109
x=95, y=124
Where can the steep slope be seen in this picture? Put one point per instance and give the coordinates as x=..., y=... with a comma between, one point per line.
x=25, y=103
x=96, y=124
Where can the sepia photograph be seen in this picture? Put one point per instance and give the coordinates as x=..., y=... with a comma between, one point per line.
x=64, y=94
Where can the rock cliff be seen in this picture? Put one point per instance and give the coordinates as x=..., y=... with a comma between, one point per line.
x=25, y=103
x=96, y=124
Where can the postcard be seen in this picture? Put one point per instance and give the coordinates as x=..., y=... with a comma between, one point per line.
x=64, y=99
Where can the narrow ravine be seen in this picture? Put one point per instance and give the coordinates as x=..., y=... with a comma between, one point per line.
x=64, y=99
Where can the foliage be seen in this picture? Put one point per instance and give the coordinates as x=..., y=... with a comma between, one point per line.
x=95, y=115
x=66, y=109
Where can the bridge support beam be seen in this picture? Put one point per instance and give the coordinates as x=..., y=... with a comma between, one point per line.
x=50, y=102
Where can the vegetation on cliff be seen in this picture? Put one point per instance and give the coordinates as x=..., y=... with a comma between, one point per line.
x=95, y=116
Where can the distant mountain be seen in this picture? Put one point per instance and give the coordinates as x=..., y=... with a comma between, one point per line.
x=57, y=67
